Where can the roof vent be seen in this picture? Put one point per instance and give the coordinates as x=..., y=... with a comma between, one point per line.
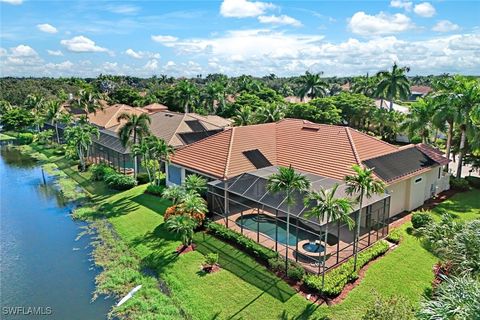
x=311, y=128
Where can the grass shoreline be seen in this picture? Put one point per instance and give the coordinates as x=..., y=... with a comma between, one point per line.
x=243, y=289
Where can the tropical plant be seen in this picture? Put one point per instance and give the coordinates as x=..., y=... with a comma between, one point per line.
x=186, y=92
x=362, y=184
x=287, y=181
x=174, y=193
x=16, y=119
x=365, y=85
x=184, y=226
x=134, y=129
x=393, y=84
x=53, y=114
x=211, y=259
x=143, y=150
x=214, y=96
x=35, y=104
x=327, y=208
x=271, y=112
x=80, y=137
x=44, y=137
x=311, y=85
x=87, y=101
x=162, y=152
x=193, y=205
x=195, y=183
x=455, y=298
x=243, y=116
x=419, y=121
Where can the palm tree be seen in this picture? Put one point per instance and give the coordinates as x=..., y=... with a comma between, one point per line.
x=183, y=225
x=195, y=183
x=328, y=209
x=88, y=102
x=192, y=203
x=287, y=181
x=243, y=116
x=444, y=114
x=174, y=193
x=393, y=84
x=312, y=86
x=53, y=114
x=79, y=137
x=247, y=84
x=364, y=85
x=186, y=92
x=135, y=127
x=36, y=105
x=161, y=151
x=143, y=150
x=419, y=121
x=214, y=96
x=271, y=112
x=363, y=184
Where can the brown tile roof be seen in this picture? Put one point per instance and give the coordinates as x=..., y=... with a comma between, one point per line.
x=155, y=107
x=433, y=153
x=421, y=89
x=108, y=117
x=326, y=150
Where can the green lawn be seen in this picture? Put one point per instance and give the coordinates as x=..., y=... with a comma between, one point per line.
x=245, y=289
x=464, y=206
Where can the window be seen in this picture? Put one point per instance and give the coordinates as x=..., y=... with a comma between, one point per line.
x=418, y=180
x=174, y=175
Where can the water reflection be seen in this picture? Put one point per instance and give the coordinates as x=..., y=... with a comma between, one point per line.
x=15, y=158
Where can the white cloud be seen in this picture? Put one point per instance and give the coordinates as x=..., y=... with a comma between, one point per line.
x=424, y=9
x=445, y=26
x=164, y=39
x=123, y=9
x=110, y=66
x=14, y=2
x=151, y=65
x=48, y=28
x=55, y=52
x=243, y=8
x=283, y=20
x=65, y=65
x=3, y=52
x=82, y=44
x=401, y=4
x=132, y=53
x=380, y=24
x=23, y=51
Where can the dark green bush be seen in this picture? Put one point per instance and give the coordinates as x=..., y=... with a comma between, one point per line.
x=473, y=181
x=248, y=245
x=276, y=264
x=295, y=271
x=142, y=178
x=155, y=190
x=119, y=181
x=25, y=138
x=394, y=236
x=459, y=184
x=336, y=279
x=420, y=219
x=101, y=171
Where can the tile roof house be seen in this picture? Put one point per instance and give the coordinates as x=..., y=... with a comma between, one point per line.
x=419, y=91
x=323, y=150
x=108, y=117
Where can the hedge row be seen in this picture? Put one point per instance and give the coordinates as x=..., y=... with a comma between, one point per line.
x=336, y=279
x=247, y=244
x=111, y=177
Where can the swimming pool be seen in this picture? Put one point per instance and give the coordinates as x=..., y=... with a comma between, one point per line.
x=266, y=225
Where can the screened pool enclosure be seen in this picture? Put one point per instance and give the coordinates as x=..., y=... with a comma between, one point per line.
x=243, y=204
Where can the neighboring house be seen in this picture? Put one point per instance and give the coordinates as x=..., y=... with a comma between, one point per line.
x=385, y=104
x=108, y=117
x=155, y=107
x=419, y=92
x=238, y=161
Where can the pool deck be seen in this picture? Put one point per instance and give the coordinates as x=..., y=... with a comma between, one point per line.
x=344, y=246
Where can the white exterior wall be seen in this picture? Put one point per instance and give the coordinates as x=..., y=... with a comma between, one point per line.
x=409, y=194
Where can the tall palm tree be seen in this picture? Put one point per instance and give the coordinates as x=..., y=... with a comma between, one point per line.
x=135, y=128
x=143, y=150
x=271, y=112
x=393, y=84
x=419, y=121
x=79, y=137
x=161, y=151
x=87, y=101
x=328, y=209
x=444, y=114
x=363, y=184
x=247, y=84
x=364, y=85
x=312, y=86
x=243, y=116
x=214, y=96
x=53, y=114
x=287, y=181
x=36, y=105
x=186, y=92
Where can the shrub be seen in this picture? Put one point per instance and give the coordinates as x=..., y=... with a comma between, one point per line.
x=119, y=181
x=473, y=181
x=392, y=308
x=155, y=190
x=421, y=219
x=295, y=271
x=394, y=236
x=101, y=171
x=25, y=138
x=211, y=259
x=276, y=264
x=142, y=178
x=246, y=244
x=336, y=279
x=459, y=184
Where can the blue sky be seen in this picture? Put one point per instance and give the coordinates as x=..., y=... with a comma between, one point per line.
x=186, y=38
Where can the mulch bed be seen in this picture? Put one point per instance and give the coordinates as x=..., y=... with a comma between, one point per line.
x=211, y=269
x=182, y=250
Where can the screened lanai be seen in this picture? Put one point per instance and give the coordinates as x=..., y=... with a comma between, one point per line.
x=244, y=204
x=107, y=148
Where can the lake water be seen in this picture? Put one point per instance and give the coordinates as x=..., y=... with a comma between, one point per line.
x=42, y=266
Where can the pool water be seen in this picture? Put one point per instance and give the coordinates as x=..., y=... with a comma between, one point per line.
x=266, y=225
x=313, y=247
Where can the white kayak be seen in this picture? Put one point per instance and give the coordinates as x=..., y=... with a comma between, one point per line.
x=129, y=295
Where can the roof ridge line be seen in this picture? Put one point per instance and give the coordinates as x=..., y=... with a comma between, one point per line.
x=229, y=153
x=372, y=137
x=352, y=145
